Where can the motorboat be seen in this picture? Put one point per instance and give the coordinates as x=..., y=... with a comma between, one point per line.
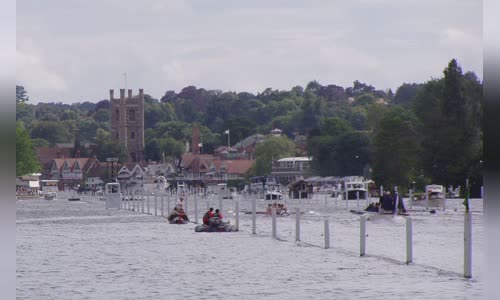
x=434, y=196
x=354, y=187
x=50, y=196
x=273, y=195
x=215, y=225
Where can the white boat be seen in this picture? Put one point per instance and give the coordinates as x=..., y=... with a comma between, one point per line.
x=49, y=195
x=326, y=189
x=435, y=196
x=354, y=186
x=273, y=195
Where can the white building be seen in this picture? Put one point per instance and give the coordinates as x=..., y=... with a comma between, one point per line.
x=291, y=169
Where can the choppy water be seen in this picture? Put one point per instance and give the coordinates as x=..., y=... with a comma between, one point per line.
x=80, y=250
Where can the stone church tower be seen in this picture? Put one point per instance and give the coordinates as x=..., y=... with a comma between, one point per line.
x=127, y=122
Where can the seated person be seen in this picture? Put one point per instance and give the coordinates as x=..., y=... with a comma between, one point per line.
x=387, y=202
x=174, y=214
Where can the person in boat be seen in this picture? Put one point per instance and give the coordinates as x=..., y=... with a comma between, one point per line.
x=183, y=215
x=174, y=214
x=209, y=214
x=387, y=202
x=218, y=214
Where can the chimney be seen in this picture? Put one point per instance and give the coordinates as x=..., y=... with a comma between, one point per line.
x=122, y=94
x=111, y=94
x=130, y=94
x=141, y=92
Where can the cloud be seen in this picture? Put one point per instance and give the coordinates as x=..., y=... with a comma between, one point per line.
x=75, y=51
x=32, y=72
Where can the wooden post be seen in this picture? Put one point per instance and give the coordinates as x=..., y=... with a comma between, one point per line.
x=362, y=236
x=409, y=240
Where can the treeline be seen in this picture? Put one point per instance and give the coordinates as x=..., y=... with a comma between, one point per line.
x=424, y=132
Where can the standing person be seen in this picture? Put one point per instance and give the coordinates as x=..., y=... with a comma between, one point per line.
x=209, y=214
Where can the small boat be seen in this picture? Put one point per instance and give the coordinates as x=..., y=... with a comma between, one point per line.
x=178, y=220
x=215, y=225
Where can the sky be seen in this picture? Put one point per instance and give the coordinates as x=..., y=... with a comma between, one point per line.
x=75, y=51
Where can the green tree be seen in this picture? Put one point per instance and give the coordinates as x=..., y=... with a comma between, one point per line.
x=26, y=161
x=396, y=148
x=273, y=148
x=21, y=94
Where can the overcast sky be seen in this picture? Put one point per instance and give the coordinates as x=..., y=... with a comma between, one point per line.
x=74, y=51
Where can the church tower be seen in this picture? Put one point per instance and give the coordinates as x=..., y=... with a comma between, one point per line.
x=127, y=122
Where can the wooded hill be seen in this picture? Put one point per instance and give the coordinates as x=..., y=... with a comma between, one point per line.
x=422, y=133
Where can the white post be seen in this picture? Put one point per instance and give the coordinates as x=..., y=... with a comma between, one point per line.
x=362, y=236
x=409, y=240
x=186, y=205
x=426, y=199
x=396, y=201
x=148, y=204
x=195, y=209
x=346, y=199
x=254, y=216
x=237, y=216
x=327, y=234
x=161, y=206
x=168, y=205
x=381, y=190
x=297, y=224
x=357, y=199
x=274, y=222
x=336, y=198
x=156, y=205
x=326, y=202
x=411, y=198
x=468, y=245
x=142, y=202
x=220, y=201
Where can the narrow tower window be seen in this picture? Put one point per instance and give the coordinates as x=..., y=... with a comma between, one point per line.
x=131, y=115
x=132, y=135
x=117, y=115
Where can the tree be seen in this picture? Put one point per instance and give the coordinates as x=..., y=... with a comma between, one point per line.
x=21, y=94
x=406, y=93
x=396, y=148
x=26, y=161
x=273, y=148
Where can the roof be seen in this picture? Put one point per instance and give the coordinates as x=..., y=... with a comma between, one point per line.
x=253, y=139
x=239, y=166
x=295, y=159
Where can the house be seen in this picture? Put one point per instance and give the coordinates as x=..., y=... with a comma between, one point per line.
x=291, y=169
x=246, y=147
x=72, y=171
